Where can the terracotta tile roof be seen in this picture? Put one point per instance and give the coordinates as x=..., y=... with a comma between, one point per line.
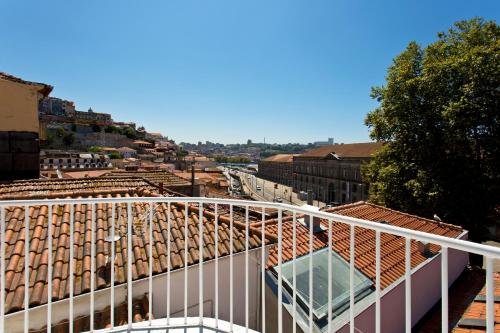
x=38, y=260
x=84, y=174
x=154, y=177
x=348, y=150
x=475, y=314
x=281, y=158
x=102, y=318
x=125, y=149
x=44, y=89
x=392, y=247
x=466, y=305
x=57, y=188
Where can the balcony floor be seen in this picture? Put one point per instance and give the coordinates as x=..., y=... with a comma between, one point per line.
x=177, y=325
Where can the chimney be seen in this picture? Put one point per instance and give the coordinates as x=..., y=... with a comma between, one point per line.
x=160, y=188
x=310, y=197
x=316, y=221
x=425, y=249
x=192, y=180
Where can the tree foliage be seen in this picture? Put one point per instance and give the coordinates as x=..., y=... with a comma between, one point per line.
x=439, y=115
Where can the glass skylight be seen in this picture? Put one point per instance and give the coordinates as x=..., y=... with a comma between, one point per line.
x=340, y=282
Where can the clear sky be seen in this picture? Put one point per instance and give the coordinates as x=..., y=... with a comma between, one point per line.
x=223, y=71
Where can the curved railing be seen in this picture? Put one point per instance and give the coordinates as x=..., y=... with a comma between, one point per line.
x=212, y=207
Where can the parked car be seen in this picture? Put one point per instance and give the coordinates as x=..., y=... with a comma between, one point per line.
x=278, y=199
x=259, y=188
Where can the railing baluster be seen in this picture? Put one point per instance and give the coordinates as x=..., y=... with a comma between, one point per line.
x=377, y=281
x=169, y=228
x=3, y=230
x=490, y=296
x=246, y=269
x=351, y=280
x=330, y=277
x=231, y=268
x=444, y=289
x=92, y=265
x=280, y=277
x=49, y=272
x=294, y=272
x=200, y=258
x=263, y=271
x=216, y=230
x=186, y=262
x=408, y=285
x=150, y=287
x=129, y=265
x=26, y=267
x=113, y=245
x=71, y=265
x=311, y=276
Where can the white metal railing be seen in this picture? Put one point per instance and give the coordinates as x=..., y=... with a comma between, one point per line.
x=489, y=253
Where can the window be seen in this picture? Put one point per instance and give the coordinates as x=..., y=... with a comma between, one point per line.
x=354, y=187
x=340, y=282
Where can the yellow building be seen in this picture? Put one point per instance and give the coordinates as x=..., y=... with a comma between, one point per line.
x=19, y=127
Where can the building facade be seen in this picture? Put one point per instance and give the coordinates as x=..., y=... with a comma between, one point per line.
x=333, y=172
x=51, y=160
x=277, y=168
x=19, y=127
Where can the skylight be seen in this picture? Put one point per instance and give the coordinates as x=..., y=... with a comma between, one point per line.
x=340, y=282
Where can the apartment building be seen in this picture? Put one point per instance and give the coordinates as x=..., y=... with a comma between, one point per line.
x=51, y=160
x=277, y=168
x=333, y=172
x=19, y=127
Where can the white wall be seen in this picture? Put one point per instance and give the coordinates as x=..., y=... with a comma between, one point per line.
x=60, y=310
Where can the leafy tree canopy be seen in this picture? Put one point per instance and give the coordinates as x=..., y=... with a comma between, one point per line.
x=439, y=115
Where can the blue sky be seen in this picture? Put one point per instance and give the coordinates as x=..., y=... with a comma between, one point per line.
x=224, y=71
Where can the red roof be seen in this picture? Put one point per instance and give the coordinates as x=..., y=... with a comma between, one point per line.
x=392, y=247
x=348, y=150
x=44, y=89
x=38, y=260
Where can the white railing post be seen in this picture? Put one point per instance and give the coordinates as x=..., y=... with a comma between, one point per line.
x=330, y=277
x=263, y=271
x=49, y=273
x=231, y=319
x=113, y=245
x=280, y=277
x=311, y=277
x=26, y=267
x=200, y=258
x=294, y=273
x=92, y=265
x=3, y=230
x=246, y=268
x=490, y=296
x=71, y=265
x=169, y=228
x=351, y=280
x=186, y=226
x=377, y=282
x=130, y=305
x=216, y=232
x=408, y=285
x=444, y=289
x=150, y=286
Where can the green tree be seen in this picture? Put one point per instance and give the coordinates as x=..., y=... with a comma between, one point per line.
x=115, y=155
x=60, y=132
x=94, y=149
x=69, y=138
x=439, y=115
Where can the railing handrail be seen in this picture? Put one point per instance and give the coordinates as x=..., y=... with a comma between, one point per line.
x=454, y=243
